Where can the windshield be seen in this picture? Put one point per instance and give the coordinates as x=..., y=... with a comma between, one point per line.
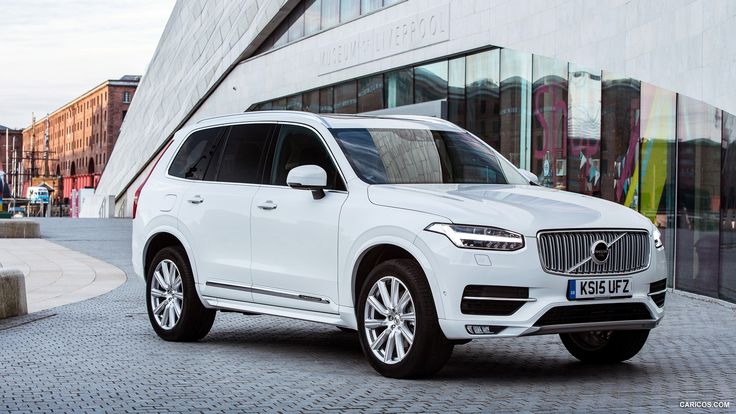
x=422, y=156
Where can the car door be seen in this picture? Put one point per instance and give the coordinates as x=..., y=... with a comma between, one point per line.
x=295, y=235
x=217, y=212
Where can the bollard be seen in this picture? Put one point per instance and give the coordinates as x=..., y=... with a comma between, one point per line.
x=12, y=293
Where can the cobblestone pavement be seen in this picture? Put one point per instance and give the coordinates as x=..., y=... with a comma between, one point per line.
x=102, y=355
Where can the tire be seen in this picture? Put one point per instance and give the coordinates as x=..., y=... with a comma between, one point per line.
x=605, y=346
x=194, y=320
x=429, y=350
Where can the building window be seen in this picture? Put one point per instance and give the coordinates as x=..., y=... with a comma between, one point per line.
x=122, y=118
x=549, y=121
x=126, y=97
x=330, y=13
x=345, y=98
x=349, y=10
x=370, y=93
x=430, y=82
x=310, y=101
x=312, y=17
x=399, y=88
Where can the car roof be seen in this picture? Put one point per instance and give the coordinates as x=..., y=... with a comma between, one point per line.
x=337, y=121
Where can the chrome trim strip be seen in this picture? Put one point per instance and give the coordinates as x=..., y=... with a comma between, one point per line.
x=596, y=326
x=657, y=293
x=494, y=298
x=268, y=292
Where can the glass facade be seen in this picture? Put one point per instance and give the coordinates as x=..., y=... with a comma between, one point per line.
x=670, y=157
x=482, y=90
x=727, y=281
x=549, y=121
x=515, y=109
x=699, y=135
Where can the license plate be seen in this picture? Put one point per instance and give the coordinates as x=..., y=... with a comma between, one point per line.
x=599, y=288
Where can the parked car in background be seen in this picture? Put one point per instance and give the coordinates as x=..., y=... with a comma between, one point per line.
x=410, y=230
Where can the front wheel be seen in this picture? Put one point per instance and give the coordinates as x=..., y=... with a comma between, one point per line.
x=397, y=322
x=174, y=308
x=605, y=346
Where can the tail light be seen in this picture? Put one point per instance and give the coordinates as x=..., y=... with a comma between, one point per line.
x=138, y=191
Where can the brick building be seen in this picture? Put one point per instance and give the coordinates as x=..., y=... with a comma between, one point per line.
x=81, y=136
x=14, y=142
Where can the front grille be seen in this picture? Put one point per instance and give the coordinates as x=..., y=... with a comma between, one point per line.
x=569, y=252
x=594, y=313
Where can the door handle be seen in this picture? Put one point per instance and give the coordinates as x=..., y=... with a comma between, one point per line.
x=197, y=199
x=268, y=205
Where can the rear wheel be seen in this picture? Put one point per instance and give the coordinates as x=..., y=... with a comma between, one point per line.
x=397, y=322
x=174, y=308
x=605, y=346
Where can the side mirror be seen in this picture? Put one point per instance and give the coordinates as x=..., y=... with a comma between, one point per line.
x=308, y=177
x=533, y=179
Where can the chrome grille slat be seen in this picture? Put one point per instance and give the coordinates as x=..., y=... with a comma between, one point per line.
x=559, y=251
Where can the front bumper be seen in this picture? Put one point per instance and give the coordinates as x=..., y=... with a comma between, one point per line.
x=455, y=269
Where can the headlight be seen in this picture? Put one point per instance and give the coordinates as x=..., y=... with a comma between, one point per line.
x=479, y=237
x=657, y=239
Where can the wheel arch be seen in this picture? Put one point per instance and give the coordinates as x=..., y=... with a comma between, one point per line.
x=165, y=238
x=381, y=250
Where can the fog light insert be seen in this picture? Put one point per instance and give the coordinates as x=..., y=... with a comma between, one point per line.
x=484, y=329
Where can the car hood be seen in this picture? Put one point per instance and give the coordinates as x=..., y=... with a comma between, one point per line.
x=520, y=208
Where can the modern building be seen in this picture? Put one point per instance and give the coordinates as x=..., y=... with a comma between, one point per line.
x=631, y=101
x=11, y=148
x=69, y=148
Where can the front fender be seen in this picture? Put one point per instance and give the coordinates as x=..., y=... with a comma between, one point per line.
x=396, y=236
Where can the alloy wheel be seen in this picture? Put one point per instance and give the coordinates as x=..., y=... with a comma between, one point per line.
x=389, y=320
x=167, y=294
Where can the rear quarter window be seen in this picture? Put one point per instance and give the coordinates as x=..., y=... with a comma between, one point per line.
x=196, y=154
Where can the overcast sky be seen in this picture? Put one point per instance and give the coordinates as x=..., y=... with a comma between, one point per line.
x=55, y=50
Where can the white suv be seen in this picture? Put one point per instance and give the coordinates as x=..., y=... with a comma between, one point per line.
x=409, y=230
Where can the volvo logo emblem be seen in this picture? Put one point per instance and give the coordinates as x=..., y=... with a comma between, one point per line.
x=599, y=252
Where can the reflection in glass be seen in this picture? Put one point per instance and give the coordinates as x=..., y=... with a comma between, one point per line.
x=430, y=82
x=326, y=102
x=482, y=96
x=399, y=88
x=330, y=13
x=346, y=98
x=294, y=103
x=349, y=10
x=456, y=92
x=584, y=130
x=698, y=195
x=549, y=121
x=727, y=284
x=515, y=102
x=370, y=93
x=310, y=101
x=312, y=16
x=367, y=6
x=658, y=164
x=620, y=107
x=279, y=104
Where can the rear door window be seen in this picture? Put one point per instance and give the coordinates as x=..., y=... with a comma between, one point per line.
x=197, y=153
x=243, y=155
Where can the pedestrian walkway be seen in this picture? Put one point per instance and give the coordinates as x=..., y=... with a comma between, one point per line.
x=56, y=275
